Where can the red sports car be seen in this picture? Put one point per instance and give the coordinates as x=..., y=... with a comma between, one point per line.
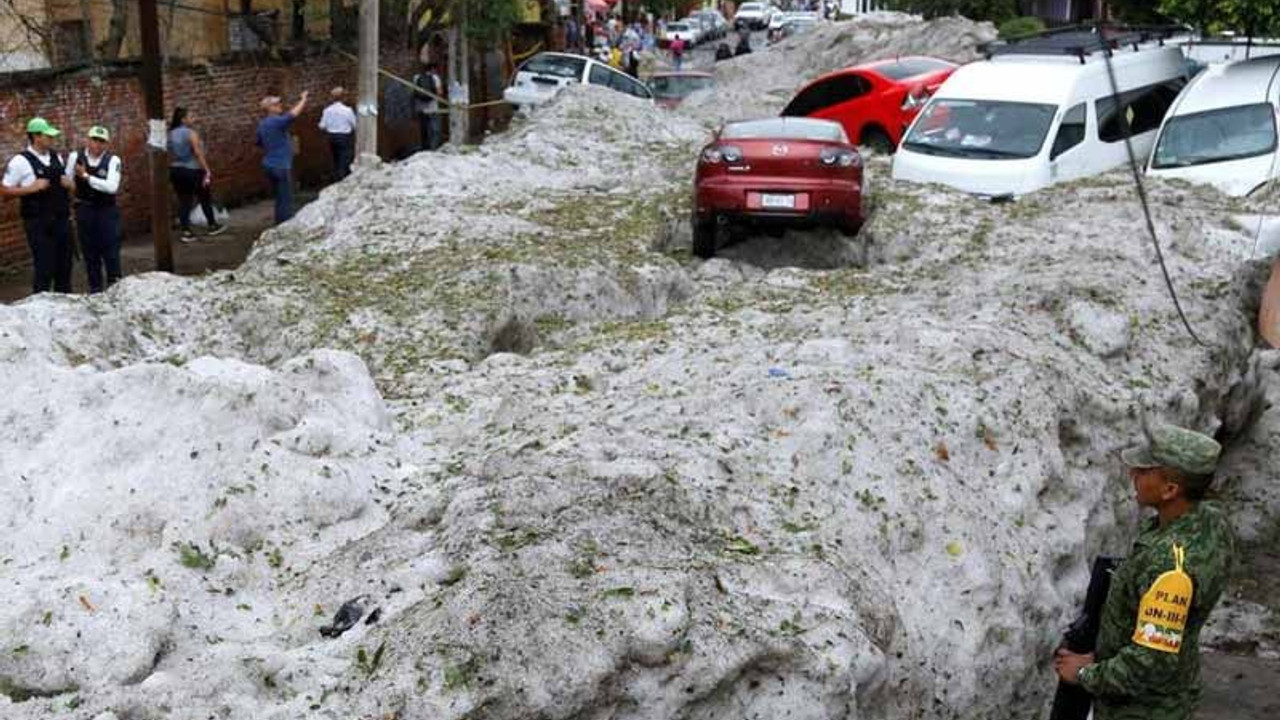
x=777, y=172
x=874, y=102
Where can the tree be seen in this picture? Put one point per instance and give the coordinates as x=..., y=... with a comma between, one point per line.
x=1257, y=18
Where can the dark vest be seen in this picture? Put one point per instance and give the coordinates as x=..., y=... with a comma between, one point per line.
x=54, y=202
x=85, y=192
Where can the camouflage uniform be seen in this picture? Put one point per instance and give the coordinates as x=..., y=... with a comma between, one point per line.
x=1130, y=681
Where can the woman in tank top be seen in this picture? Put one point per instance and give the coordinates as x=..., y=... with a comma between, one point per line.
x=189, y=173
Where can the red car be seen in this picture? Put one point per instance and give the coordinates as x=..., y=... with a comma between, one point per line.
x=875, y=102
x=776, y=172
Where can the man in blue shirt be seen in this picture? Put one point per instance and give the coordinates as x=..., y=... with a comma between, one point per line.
x=277, y=148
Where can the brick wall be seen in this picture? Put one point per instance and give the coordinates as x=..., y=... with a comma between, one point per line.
x=222, y=96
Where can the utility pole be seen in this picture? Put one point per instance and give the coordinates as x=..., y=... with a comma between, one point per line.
x=459, y=79
x=367, y=109
x=157, y=137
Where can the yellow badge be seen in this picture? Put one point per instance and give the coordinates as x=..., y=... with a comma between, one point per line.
x=1162, y=614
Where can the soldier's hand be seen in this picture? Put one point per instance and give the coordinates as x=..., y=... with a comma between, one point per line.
x=68, y=183
x=40, y=185
x=1067, y=664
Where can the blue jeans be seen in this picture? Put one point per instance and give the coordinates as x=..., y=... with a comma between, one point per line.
x=282, y=187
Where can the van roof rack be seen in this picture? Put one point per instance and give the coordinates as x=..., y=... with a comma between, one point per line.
x=1081, y=41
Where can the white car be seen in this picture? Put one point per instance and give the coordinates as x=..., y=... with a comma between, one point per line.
x=753, y=16
x=1222, y=128
x=684, y=30
x=545, y=74
x=781, y=18
x=1041, y=113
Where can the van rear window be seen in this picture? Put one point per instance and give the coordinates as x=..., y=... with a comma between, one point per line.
x=557, y=65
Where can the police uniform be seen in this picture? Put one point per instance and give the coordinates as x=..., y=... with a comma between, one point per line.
x=46, y=215
x=97, y=215
x=1148, y=657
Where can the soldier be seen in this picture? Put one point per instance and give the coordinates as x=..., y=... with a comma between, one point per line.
x=1147, y=665
x=96, y=173
x=35, y=177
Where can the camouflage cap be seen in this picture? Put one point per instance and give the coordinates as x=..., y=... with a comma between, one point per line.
x=1174, y=447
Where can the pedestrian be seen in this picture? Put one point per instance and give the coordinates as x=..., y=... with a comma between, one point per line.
x=1147, y=662
x=677, y=52
x=427, y=104
x=633, y=62
x=615, y=57
x=37, y=177
x=338, y=121
x=96, y=171
x=190, y=175
x=572, y=41
x=277, y=150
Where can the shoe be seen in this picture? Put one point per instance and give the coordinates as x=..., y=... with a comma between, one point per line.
x=187, y=237
x=216, y=230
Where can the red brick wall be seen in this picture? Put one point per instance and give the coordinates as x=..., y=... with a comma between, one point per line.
x=223, y=98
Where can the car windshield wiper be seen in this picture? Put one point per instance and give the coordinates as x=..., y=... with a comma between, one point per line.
x=952, y=151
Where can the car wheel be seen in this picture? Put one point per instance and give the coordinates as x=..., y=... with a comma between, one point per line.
x=877, y=140
x=704, y=238
x=850, y=229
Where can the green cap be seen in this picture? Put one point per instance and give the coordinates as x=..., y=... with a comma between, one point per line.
x=1174, y=447
x=40, y=126
x=97, y=132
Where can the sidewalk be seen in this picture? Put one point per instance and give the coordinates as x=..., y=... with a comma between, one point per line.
x=223, y=252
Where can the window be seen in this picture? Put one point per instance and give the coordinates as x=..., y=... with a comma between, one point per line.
x=981, y=129
x=556, y=65
x=679, y=86
x=70, y=40
x=628, y=85
x=1141, y=110
x=600, y=75
x=910, y=67
x=825, y=93
x=785, y=129
x=1071, y=132
x=1232, y=133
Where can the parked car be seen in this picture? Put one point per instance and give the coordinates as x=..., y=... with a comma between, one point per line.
x=753, y=16
x=1042, y=112
x=776, y=172
x=874, y=102
x=686, y=31
x=1222, y=128
x=545, y=74
x=705, y=26
x=796, y=26
x=780, y=19
x=670, y=88
x=719, y=26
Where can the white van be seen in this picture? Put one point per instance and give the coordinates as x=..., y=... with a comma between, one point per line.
x=1222, y=129
x=545, y=74
x=1041, y=111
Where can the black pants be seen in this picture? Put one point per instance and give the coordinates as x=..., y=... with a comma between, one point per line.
x=50, y=241
x=189, y=184
x=99, y=229
x=343, y=148
x=429, y=124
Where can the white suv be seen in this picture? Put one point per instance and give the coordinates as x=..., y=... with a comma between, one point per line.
x=1222, y=128
x=1042, y=111
x=753, y=16
x=545, y=74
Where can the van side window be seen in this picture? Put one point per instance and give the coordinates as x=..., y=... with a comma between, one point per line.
x=1071, y=132
x=624, y=83
x=822, y=95
x=1143, y=109
x=600, y=75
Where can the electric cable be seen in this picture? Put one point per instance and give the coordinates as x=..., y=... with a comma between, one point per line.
x=1137, y=181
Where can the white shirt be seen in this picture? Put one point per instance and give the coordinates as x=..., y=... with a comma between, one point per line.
x=19, y=173
x=339, y=119
x=111, y=185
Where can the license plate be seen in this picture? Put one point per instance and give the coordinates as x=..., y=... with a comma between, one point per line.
x=778, y=201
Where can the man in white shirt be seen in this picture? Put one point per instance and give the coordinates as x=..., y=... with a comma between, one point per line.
x=428, y=105
x=339, y=123
x=96, y=174
x=36, y=177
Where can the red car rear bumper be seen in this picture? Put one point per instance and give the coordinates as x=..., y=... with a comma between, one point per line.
x=826, y=200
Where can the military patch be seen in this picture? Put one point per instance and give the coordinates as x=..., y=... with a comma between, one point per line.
x=1162, y=614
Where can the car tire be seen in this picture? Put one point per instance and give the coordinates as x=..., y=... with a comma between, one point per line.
x=877, y=139
x=850, y=229
x=704, y=238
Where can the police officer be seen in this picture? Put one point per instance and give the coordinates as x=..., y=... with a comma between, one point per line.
x=96, y=172
x=36, y=177
x=1147, y=664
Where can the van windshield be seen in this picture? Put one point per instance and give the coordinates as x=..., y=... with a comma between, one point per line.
x=558, y=65
x=981, y=129
x=1216, y=136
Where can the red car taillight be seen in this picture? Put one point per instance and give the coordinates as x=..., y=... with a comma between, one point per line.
x=835, y=157
x=715, y=154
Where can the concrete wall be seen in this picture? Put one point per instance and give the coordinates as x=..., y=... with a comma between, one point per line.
x=223, y=94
